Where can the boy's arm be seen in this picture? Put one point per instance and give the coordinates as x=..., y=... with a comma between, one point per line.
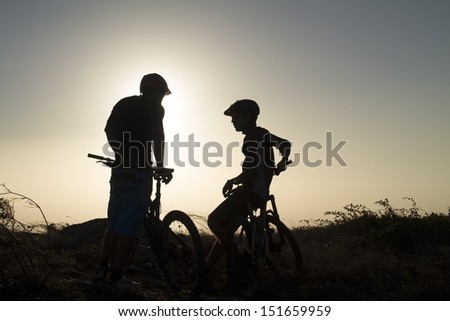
x=240, y=179
x=284, y=146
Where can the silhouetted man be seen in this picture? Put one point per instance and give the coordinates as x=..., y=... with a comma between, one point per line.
x=134, y=130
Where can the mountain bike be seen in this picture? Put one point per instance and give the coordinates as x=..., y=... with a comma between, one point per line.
x=257, y=240
x=174, y=242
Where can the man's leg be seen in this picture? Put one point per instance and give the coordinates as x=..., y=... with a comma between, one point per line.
x=110, y=238
x=109, y=244
x=124, y=247
x=135, y=195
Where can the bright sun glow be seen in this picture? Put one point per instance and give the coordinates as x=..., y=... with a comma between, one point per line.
x=174, y=115
x=318, y=78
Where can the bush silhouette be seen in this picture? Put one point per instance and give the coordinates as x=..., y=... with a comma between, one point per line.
x=24, y=253
x=359, y=254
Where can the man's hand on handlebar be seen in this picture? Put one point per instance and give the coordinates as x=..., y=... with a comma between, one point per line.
x=166, y=178
x=228, y=188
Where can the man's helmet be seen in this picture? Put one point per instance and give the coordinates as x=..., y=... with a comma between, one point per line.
x=243, y=106
x=154, y=83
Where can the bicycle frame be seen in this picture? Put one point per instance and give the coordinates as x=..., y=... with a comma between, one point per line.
x=153, y=217
x=181, y=260
x=154, y=208
x=260, y=227
x=154, y=211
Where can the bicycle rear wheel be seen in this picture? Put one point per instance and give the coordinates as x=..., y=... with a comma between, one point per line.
x=182, y=259
x=240, y=261
x=283, y=254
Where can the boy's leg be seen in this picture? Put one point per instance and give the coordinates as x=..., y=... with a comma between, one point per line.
x=219, y=220
x=216, y=253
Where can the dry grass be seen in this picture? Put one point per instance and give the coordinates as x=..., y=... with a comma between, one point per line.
x=363, y=256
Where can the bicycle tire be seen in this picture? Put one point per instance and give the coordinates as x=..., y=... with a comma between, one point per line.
x=240, y=262
x=183, y=257
x=283, y=253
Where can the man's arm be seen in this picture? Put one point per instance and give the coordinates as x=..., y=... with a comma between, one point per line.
x=114, y=135
x=158, y=150
x=158, y=145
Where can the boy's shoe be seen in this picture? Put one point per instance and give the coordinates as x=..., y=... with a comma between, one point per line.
x=101, y=275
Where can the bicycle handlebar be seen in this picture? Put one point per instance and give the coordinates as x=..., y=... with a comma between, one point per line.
x=100, y=158
x=161, y=171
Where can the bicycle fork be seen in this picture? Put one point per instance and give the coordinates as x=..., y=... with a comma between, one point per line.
x=257, y=241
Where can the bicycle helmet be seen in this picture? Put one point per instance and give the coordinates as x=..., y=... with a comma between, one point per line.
x=154, y=83
x=243, y=106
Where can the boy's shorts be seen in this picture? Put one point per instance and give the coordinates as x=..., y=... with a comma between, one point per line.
x=235, y=205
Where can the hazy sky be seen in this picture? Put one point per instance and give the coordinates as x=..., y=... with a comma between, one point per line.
x=375, y=74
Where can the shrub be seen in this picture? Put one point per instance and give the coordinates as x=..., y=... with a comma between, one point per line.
x=24, y=254
x=404, y=229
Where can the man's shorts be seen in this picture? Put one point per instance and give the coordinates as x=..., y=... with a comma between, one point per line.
x=128, y=201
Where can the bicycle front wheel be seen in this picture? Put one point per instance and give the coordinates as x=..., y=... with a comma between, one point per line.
x=183, y=258
x=240, y=259
x=283, y=254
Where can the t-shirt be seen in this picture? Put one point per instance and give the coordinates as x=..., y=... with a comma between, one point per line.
x=259, y=162
x=129, y=131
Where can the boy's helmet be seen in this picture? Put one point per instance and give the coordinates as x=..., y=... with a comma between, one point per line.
x=243, y=106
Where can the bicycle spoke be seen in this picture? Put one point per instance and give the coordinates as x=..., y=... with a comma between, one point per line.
x=241, y=265
x=183, y=258
x=282, y=254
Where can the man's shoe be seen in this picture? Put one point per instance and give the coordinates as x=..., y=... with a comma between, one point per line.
x=126, y=285
x=208, y=286
x=101, y=275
